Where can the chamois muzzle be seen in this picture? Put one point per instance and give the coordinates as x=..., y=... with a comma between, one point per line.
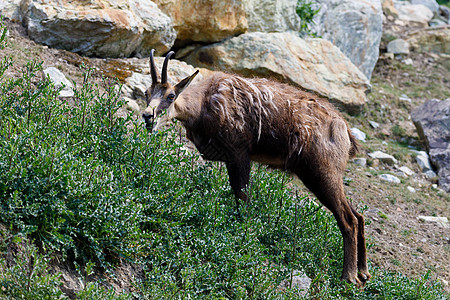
x=149, y=119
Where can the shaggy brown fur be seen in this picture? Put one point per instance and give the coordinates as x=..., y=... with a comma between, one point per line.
x=235, y=120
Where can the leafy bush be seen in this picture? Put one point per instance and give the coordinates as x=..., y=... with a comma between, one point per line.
x=306, y=10
x=28, y=278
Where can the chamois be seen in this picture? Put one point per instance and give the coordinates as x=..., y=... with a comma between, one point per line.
x=236, y=120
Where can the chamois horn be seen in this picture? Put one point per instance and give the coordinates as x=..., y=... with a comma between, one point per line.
x=153, y=70
x=164, y=68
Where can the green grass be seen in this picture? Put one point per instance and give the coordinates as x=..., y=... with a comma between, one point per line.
x=97, y=189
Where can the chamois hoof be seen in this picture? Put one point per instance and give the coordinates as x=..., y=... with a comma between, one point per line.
x=364, y=277
x=354, y=280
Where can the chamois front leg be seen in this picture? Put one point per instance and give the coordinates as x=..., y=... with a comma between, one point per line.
x=239, y=175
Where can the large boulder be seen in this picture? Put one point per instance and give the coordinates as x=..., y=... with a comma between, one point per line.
x=272, y=15
x=313, y=64
x=414, y=14
x=213, y=21
x=10, y=10
x=355, y=27
x=100, y=28
x=434, y=39
x=432, y=121
x=431, y=4
x=205, y=21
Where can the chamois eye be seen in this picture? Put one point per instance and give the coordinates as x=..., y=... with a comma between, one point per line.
x=171, y=97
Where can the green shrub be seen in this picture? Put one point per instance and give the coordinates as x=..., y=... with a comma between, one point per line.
x=27, y=277
x=306, y=11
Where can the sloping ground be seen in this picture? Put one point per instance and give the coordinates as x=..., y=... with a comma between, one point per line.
x=400, y=241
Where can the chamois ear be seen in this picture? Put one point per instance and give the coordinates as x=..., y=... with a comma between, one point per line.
x=184, y=83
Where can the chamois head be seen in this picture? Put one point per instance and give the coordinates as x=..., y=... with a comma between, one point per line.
x=161, y=95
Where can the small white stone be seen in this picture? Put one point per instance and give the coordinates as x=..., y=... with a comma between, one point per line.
x=389, y=178
x=403, y=97
x=411, y=189
x=361, y=161
x=408, y=61
x=358, y=134
x=59, y=80
x=374, y=124
x=398, y=46
x=407, y=171
x=384, y=157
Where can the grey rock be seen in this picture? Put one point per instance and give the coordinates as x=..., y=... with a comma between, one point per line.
x=431, y=4
x=416, y=14
x=10, y=10
x=411, y=189
x=312, y=63
x=272, y=16
x=431, y=176
x=132, y=105
x=358, y=134
x=423, y=160
x=355, y=27
x=440, y=221
x=60, y=80
x=138, y=83
x=444, y=11
x=383, y=157
x=300, y=282
x=374, y=124
x=398, y=46
x=361, y=161
x=408, y=62
x=407, y=171
x=403, y=97
x=438, y=21
x=389, y=178
x=432, y=120
x=121, y=29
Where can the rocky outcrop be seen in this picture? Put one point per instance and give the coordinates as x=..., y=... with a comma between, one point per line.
x=213, y=21
x=272, y=16
x=355, y=27
x=10, y=10
x=431, y=4
x=416, y=14
x=314, y=64
x=101, y=28
x=205, y=21
x=434, y=39
x=432, y=121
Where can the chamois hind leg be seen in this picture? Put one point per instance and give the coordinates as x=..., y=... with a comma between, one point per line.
x=363, y=271
x=239, y=175
x=329, y=189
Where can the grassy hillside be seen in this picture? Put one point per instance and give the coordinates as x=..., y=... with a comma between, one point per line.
x=87, y=188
